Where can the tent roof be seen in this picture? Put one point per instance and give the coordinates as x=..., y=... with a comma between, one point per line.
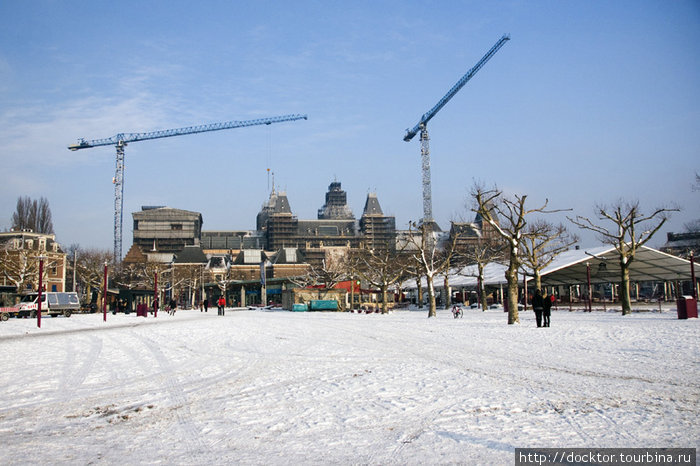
x=648, y=265
x=569, y=268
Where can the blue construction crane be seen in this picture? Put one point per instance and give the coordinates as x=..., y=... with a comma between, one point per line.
x=122, y=139
x=422, y=127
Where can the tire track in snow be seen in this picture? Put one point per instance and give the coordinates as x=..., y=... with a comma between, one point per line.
x=72, y=376
x=198, y=450
x=455, y=359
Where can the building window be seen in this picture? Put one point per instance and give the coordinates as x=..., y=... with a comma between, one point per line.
x=176, y=226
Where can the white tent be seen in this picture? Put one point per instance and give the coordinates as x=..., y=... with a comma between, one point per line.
x=603, y=262
x=467, y=277
x=570, y=268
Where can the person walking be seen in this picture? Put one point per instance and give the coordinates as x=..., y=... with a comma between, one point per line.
x=538, y=306
x=222, y=305
x=546, y=308
x=206, y=305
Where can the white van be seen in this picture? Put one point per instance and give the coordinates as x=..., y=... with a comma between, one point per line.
x=52, y=303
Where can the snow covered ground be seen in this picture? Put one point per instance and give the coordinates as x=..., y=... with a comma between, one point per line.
x=275, y=387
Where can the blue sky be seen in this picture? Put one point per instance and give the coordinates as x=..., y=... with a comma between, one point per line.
x=589, y=102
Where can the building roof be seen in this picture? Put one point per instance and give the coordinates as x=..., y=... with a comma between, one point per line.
x=249, y=256
x=326, y=227
x=166, y=213
x=287, y=256
x=50, y=243
x=191, y=254
x=470, y=230
x=135, y=255
x=372, y=206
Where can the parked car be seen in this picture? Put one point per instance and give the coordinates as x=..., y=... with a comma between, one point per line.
x=52, y=303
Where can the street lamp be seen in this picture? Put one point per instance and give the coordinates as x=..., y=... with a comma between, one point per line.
x=155, y=294
x=41, y=286
x=104, y=295
x=693, y=283
x=590, y=291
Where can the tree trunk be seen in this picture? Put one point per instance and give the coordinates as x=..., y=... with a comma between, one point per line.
x=384, y=298
x=448, y=293
x=482, y=294
x=625, y=288
x=431, y=298
x=512, y=279
x=420, y=292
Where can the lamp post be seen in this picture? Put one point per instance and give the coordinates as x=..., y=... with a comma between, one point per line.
x=75, y=263
x=41, y=286
x=590, y=291
x=692, y=276
x=104, y=295
x=155, y=294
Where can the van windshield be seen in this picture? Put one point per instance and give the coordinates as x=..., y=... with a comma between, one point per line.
x=30, y=298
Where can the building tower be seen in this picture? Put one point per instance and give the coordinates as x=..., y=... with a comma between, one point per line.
x=336, y=206
x=379, y=231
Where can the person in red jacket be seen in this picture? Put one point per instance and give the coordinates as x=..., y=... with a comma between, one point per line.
x=222, y=305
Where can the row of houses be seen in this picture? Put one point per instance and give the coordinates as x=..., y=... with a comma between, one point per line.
x=20, y=254
x=259, y=264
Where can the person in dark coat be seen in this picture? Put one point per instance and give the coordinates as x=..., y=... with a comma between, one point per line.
x=206, y=305
x=538, y=306
x=547, y=309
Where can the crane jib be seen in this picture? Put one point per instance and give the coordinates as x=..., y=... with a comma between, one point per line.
x=124, y=138
x=120, y=140
x=458, y=85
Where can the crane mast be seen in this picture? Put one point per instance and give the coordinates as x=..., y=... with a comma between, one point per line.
x=422, y=127
x=122, y=139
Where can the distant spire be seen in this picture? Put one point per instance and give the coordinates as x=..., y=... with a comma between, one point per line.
x=372, y=206
x=336, y=207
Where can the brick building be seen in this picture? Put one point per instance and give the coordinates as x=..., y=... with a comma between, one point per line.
x=19, y=262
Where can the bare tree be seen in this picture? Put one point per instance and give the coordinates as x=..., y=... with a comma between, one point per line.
x=630, y=230
x=693, y=226
x=431, y=256
x=89, y=269
x=380, y=268
x=485, y=250
x=543, y=242
x=187, y=276
x=224, y=280
x=333, y=269
x=33, y=215
x=507, y=216
x=19, y=266
x=19, y=263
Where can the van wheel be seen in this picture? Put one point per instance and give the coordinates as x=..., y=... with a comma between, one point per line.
x=67, y=313
x=4, y=316
x=32, y=314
